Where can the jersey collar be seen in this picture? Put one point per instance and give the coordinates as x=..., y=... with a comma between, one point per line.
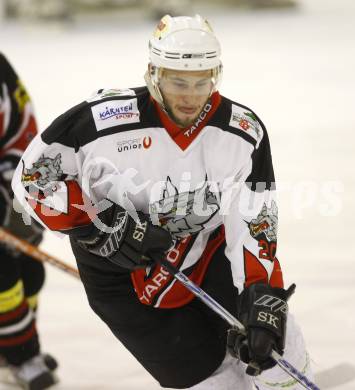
x=184, y=137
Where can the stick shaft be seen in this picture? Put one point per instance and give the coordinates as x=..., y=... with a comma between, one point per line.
x=205, y=298
x=35, y=253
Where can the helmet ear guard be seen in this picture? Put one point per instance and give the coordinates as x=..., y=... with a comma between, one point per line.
x=152, y=82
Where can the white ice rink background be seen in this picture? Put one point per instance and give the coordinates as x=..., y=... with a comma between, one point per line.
x=296, y=69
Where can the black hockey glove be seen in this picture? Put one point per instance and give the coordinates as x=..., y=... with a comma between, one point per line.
x=127, y=243
x=263, y=311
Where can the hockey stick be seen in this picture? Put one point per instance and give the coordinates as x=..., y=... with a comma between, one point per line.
x=37, y=254
x=222, y=312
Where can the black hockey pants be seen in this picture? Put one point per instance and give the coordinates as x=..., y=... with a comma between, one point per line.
x=178, y=347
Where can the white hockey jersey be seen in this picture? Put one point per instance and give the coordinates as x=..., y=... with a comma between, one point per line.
x=209, y=184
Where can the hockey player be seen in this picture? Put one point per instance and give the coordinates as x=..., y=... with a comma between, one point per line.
x=172, y=170
x=20, y=276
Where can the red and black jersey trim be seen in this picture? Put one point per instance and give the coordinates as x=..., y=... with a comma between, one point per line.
x=74, y=217
x=215, y=235
x=255, y=272
x=161, y=289
x=178, y=265
x=13, y=317
x=184, y=137
x=150, y=287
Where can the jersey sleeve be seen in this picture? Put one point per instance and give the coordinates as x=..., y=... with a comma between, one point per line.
x=251, y=218
x=47, y=179
x=17, y=121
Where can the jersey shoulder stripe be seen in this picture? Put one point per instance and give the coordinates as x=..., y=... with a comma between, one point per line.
x=240, y=120
x=105, y=113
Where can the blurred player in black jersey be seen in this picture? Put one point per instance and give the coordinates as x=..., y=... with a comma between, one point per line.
x=21, y=277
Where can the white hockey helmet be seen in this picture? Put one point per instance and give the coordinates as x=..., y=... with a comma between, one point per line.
x=183, y=43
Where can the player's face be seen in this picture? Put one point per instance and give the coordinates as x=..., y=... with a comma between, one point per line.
x=185, y=93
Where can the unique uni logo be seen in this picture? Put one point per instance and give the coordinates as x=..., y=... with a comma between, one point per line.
x=134, y=144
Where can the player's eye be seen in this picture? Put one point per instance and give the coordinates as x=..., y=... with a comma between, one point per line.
x=203, y=84
x=180, y=85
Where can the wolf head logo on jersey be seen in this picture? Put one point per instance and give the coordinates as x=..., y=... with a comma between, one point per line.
x=43, y=171
x=47, y=184
x=44, y=175
x=187, y=212
x=265, y=223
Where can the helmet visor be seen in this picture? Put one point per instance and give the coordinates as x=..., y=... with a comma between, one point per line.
x=189, y=83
